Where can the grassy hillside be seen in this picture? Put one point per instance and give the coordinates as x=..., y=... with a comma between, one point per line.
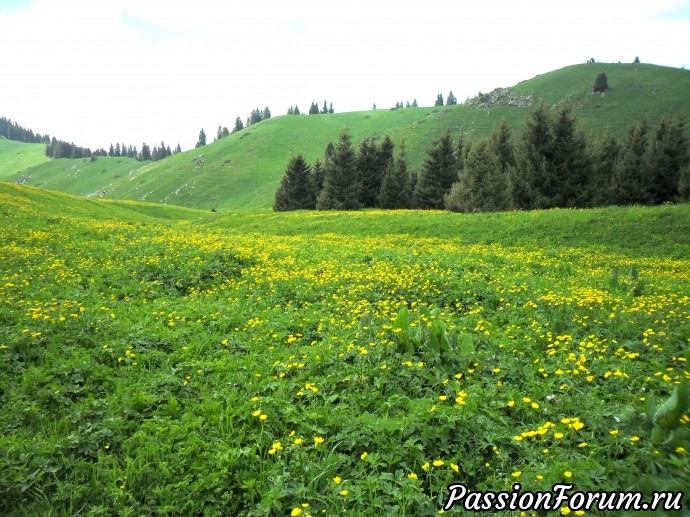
x=243, y=170
x=157, y=360
x=16, y=157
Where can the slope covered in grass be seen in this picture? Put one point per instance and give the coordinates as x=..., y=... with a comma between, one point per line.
x=348, y=363
x=16, y=157
x=244, y=169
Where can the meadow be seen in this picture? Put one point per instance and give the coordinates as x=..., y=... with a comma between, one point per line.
x=165, y=361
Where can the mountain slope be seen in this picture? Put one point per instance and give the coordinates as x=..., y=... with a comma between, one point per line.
x=243, y=169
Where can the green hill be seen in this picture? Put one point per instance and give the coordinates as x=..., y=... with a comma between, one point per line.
x=243, y=170
x=16, y=157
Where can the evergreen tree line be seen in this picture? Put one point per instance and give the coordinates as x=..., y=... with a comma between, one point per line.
x=60, y=149
x=13, y=131
x=552, y=163
x=254, y=117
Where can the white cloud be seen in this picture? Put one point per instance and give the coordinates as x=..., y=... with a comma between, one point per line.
x=133, y=71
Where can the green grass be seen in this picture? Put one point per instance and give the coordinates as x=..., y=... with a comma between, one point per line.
x=16, y=157
x=163, y=361
x=244, y=169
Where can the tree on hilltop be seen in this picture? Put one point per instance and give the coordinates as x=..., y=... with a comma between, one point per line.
x=451, y=100
x=439, y=100
x=202, y=139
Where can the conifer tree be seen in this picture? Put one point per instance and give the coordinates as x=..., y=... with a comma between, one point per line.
x=202, y=139
x=451, y=100
x=340, y=186
x=531, y=180
x=324, y=110
x=668, y=155
x=482, y=186
x=439, y=100
x=631, y=181
x=569, y=162
x=318, y=173
x=439, y=172
x=296, y=190
x=330, y=108
x=296, y=111
x=395, y=184
x=369, y=173
x=239, y=126
x=606, y=156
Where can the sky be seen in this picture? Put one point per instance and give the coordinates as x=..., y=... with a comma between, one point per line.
x=96, y=72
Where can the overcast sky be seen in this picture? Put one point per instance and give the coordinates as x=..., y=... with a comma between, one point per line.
x=96, y=71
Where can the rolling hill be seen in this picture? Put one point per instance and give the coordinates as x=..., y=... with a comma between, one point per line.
x=243, y=170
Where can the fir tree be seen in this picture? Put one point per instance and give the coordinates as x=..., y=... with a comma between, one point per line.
x=451, y=100
x=145, y=152
x=631, y=181
x=318, y=173
x=569, y=162
x=606, y=156
x=314, y=109
x=340, y=186
x=369, y=173
x=482, y=186
x=531, y=179
x=395, y=184
x=239, y=126
x=266, y=114
x=296, y=111
x=439, y=172
x=601, y=83
x=296, y=190
x=439, y=100
x=324, y=110
x=330, y=108
x=202, y=139
x=668, y=155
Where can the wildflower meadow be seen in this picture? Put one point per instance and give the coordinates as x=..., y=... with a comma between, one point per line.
x=192, y=366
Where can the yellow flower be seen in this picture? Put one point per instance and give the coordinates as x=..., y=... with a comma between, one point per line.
x=634, y=438
x=613, y=432
x=535, y=405
x=256, y=413
x=295, y=512
x=364, y=455
x=412, y=475
x=454, y=467
x=526, y=400
x=680, y=450
x=517, y=474
x=558, y=436
x=425, y=466
x=568, y=474
x=438, y=463
x=343, y=492
x=442, y=398
x=318, y=440
x=582, y=444
x=263, y=417
x=337, y=480
x=511, y=403
x=565, y=510
x=298, y=441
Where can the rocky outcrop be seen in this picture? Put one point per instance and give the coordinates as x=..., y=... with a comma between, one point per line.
x=499, y=97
